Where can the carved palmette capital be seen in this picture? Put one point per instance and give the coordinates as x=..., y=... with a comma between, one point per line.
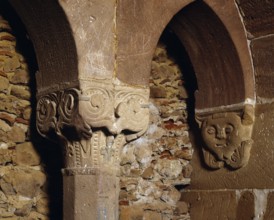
x=57, y=116
x=118, y=108
x=227, y=137
x=94, y=123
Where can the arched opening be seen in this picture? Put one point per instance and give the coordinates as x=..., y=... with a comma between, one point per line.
x=51, y=35
x=221, y=76
x=32, y=44
x=219, y=69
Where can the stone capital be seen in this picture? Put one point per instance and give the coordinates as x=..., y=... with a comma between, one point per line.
x=227, y=137
x=94, y=122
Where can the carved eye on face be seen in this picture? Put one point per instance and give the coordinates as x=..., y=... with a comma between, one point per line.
x=211, y=130
x=228, y=129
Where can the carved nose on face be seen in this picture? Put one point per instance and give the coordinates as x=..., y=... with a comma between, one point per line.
x=221, y=134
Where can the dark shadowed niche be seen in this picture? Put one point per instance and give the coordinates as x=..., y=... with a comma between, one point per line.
x=51, y=35
x=213, y=55
x=50, y=153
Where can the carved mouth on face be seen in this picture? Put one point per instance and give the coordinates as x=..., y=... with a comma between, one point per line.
x=220, y=145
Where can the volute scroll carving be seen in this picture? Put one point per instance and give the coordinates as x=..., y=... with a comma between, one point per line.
x=93, y=124
x=227, y=137
x=57, y=116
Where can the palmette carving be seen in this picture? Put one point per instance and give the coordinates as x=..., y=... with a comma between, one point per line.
x=58, y=113
x=46, y=114
x=227, y=138
x=95, y=123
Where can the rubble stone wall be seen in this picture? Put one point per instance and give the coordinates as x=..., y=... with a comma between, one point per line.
x=23, y=192
x=155, y=166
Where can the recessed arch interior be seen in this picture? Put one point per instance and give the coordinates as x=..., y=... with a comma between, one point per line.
x=213, y=55
x=49, y=152
x=51, y=35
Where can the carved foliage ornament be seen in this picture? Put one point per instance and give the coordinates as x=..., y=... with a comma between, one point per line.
x=57, y=115
x=117, y=108
x=227, y=138
x=93, y=124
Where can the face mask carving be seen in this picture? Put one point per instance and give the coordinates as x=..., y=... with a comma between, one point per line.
x=227, y=138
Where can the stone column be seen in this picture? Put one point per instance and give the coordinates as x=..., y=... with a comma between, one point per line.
x=93, y=124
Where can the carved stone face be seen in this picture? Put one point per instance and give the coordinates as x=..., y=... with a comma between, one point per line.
x=221, y=134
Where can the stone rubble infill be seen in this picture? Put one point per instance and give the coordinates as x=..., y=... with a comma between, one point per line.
x=22, y=180
x=153, y=165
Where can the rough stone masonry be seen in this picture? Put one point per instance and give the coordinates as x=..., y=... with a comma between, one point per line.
x=23, y=192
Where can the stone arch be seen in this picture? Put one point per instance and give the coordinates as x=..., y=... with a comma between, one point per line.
x=223, y=71
x=52, y=38
x=215, y=41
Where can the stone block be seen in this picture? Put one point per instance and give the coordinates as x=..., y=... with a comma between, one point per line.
x=42, y=206
x=22, y=92
x=11, y=64
x=35, y=215
x=181, y=208
x=208, y=205
x=246, y=206
x=80, y=202
x=25, y=154
x=258, y=16
x=262, y=52
x=4, y=126
x=4, y=84
x=12, y=104
x=25, y=182
x=158, y=92
x=169, y=169
x=5, y=156
x=27, y=113
x=9, y=118
x=20, y=77
x=150, y=215
x=17, y=134
x=132, y=212
x=269, y=212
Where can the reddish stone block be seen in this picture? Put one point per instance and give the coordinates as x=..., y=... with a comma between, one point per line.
x=246, y=209
x=211, y=204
